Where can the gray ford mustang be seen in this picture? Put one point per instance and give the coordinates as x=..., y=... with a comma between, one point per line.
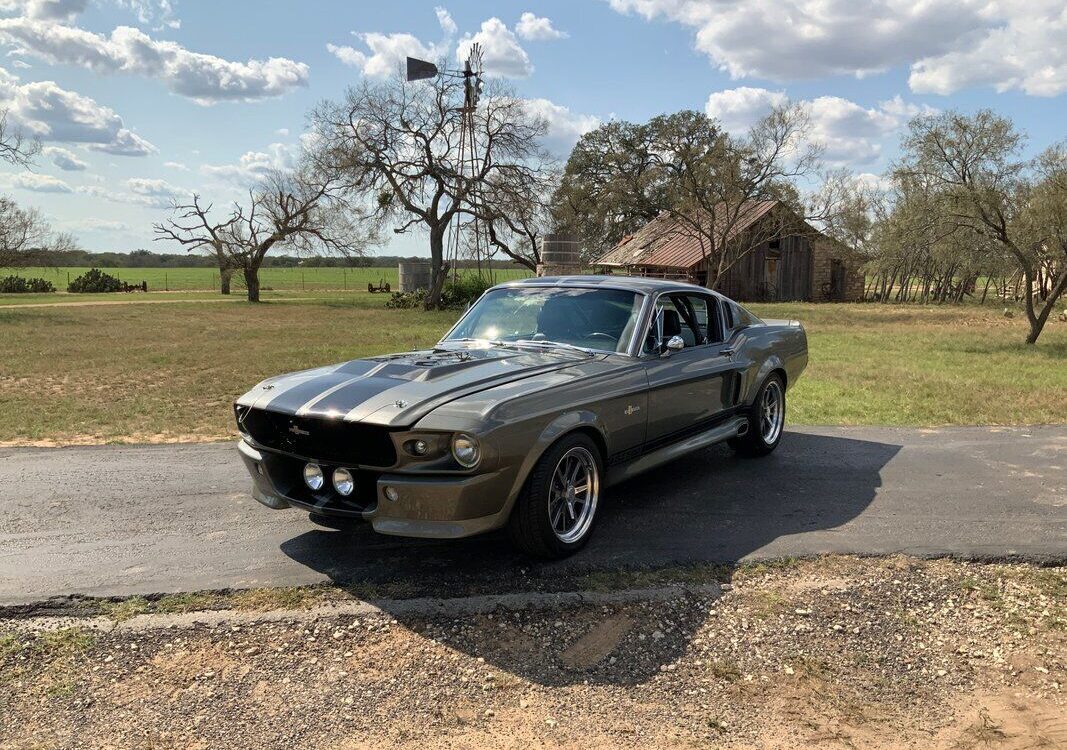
x=546, y=392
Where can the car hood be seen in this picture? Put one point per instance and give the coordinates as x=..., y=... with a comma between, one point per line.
x=397, y=390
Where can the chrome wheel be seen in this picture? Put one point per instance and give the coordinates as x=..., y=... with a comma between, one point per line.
x=573, y=494
x=772, y=412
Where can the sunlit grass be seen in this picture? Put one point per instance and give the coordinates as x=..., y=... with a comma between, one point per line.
x=170, y=372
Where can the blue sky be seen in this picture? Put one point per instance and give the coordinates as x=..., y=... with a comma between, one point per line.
x=141, y=101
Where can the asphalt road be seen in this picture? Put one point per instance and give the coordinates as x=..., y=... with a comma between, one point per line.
x=114, y=520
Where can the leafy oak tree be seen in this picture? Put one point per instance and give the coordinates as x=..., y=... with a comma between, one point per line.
x=685, y=165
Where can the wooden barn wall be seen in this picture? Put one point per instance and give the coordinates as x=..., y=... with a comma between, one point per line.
x=745, y=281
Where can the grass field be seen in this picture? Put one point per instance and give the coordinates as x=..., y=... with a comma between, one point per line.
x=303, y=279
x=139, y=372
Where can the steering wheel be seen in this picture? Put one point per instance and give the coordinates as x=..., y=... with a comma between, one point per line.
x=599, y=334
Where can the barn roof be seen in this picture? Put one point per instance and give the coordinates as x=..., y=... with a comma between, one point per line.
x=666, y=243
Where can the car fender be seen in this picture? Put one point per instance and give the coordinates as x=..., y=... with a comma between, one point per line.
x=561, y=425
x=772, y=363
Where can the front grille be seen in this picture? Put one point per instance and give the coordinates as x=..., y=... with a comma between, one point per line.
x=327, y=440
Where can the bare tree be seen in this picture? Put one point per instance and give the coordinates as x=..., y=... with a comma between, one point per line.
x=26, y=239
x=969, y=168
x=518, y=214
x=400, y=143
x=15, y=147
x=290, y=211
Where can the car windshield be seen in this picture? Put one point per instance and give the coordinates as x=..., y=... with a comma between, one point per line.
x=590, y=318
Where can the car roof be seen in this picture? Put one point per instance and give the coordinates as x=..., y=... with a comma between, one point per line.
x=629, y=283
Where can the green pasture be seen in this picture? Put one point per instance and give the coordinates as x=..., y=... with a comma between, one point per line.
x=288, y=279
x=166, y=367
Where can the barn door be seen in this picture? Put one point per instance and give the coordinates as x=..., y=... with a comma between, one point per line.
x=794, y=275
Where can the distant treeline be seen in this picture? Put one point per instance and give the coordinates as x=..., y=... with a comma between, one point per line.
x=146, y=259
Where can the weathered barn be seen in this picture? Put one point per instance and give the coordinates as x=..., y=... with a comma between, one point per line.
x=784, y=257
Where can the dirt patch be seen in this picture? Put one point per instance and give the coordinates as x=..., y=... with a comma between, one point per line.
x=836, y=653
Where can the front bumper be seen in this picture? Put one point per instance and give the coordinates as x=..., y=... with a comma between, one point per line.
x=441, y=506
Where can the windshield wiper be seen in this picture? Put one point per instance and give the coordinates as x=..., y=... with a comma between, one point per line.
x=521, y=343
x=546, y=343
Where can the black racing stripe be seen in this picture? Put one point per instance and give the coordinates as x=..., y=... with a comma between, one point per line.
x=291, y=400
x=347, y=398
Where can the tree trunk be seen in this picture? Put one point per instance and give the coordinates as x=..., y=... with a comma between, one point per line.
x=225, y=274
x=1037, y=322
x=438, y=267
x=252, y=282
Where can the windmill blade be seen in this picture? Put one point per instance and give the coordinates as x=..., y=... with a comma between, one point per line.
x=419, y=69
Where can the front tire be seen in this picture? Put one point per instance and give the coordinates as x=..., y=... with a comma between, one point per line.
x=553, y=516
x=766, y=420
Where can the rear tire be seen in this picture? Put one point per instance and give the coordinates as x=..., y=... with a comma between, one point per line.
x=554, y=514
x=766, y=420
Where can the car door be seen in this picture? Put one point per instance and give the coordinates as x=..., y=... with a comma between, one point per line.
x=688, y=389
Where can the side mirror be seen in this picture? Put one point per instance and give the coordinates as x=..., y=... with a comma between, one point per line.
x=674, y=344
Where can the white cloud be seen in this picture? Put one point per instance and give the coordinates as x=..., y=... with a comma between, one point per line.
x=39, y=183
x=56, y=114
x=564, y=127
x=283, y=132
x=254, y=165
x=537, y=28
x=1028, y=51
x=176, y=165
x=94, y=224
x=157, y=13
x=949, y=44
x=47, y=10
x=502, y=53
x=849, y=133
x=738, y=108
x=206, y=79
x=388, y=52
x=141, y=191
x=65, y=159
x=445, y=19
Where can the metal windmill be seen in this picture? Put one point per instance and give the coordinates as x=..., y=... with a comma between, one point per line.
x=465, y=235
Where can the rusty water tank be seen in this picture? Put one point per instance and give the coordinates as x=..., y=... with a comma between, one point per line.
x=560, y=255
x=413, y=275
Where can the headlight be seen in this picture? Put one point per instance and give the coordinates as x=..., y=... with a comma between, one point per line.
x=313, y=477
x=466, y=451
x=343, y=482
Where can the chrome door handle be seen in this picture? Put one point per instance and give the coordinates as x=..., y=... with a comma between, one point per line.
x=728, y=351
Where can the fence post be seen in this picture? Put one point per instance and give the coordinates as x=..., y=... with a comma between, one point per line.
x=166, y=282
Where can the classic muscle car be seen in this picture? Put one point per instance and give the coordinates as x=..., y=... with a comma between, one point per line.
x=546, y=392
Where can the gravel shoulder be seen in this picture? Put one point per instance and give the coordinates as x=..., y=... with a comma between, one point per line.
x=831, y=652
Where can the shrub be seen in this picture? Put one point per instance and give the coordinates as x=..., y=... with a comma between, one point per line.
x=455, y=296
x=19, y=285
x=95, y=280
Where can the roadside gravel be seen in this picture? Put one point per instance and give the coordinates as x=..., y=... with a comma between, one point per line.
x=832, y=652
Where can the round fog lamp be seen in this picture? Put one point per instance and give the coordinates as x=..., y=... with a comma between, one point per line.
x=420, y=447
x=313, y=477
x=343, y=482
x=465, y=449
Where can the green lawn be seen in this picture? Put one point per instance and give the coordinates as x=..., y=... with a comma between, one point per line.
x=302, y=279
x=169, y=371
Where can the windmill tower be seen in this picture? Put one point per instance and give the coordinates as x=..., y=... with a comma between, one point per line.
x=468, y=238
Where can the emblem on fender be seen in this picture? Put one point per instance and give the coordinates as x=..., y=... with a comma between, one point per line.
x=297, y=431
x=631, y=409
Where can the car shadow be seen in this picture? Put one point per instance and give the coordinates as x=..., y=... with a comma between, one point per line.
x=707, y=508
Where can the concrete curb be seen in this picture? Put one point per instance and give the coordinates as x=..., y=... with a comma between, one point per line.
x=425, y=607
